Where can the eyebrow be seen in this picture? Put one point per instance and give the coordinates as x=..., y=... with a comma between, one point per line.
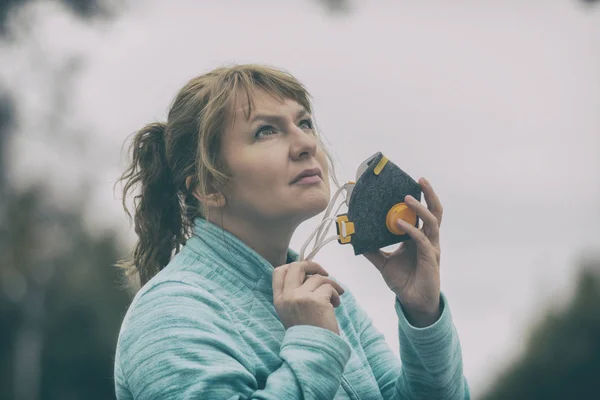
x=275, y=118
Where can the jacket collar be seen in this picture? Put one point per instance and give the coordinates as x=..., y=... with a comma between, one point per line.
x=210, y=241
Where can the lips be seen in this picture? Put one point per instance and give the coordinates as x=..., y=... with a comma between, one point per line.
x=308, y=172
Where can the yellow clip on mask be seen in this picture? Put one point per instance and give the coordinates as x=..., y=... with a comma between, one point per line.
x=375, y=201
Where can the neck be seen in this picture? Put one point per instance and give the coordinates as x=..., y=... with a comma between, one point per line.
x=270, y=239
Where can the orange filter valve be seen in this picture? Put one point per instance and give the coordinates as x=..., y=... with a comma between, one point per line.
x=400, y=211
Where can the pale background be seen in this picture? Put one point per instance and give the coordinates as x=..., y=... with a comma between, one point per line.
x=496, y=103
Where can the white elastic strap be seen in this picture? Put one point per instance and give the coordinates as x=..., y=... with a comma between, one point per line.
x=319, y=230
x=316, y=249
x=312, y=235
x=331, y=220
x=331, y=203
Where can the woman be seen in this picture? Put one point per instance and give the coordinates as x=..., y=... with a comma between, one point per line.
x=226, y=310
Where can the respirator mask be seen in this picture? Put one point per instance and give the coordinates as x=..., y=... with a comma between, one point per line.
x=375, y=201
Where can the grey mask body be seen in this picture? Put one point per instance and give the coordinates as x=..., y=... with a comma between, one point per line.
x=380, y=186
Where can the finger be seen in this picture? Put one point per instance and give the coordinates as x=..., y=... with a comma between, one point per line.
x=431, y=226
x=298, y=271
x=422, y=241
x=278, y=279
x=329, y=293
x=433, y=201
x=316, y=281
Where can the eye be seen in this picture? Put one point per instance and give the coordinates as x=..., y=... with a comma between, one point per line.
x=267, y=129
x=307, y=123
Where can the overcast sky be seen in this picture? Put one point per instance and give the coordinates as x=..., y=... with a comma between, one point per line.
x=496, y=103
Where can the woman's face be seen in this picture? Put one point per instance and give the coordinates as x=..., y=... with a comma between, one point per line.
x=265, y=153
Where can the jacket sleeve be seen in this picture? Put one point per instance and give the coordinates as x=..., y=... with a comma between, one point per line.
x=431, y=358
x=181, y=342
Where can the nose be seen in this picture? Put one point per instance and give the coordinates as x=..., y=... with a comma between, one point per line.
x=302, y=143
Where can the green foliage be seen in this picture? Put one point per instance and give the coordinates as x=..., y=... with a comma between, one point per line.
x=562, y=360
x=59, y=284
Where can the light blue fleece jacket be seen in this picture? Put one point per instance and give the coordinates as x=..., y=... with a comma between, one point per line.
x=205, y=328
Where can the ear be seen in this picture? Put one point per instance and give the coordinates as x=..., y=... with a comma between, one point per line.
x=215, y=199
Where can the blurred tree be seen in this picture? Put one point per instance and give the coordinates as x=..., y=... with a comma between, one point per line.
x=6, y=124
x=61, y=301
x=562, y=359
x=336, y=6
x=85, y=9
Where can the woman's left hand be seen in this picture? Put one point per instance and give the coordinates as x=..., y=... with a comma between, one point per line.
x=412, y=272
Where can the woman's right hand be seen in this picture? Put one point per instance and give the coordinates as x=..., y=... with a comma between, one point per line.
x=303, y=300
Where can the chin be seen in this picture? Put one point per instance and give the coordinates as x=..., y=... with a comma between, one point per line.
x=314, y=206
x=310, y=203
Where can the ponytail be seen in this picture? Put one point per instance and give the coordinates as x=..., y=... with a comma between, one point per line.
x=158, y=209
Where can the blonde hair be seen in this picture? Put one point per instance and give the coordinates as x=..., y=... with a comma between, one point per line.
x=164, y=155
